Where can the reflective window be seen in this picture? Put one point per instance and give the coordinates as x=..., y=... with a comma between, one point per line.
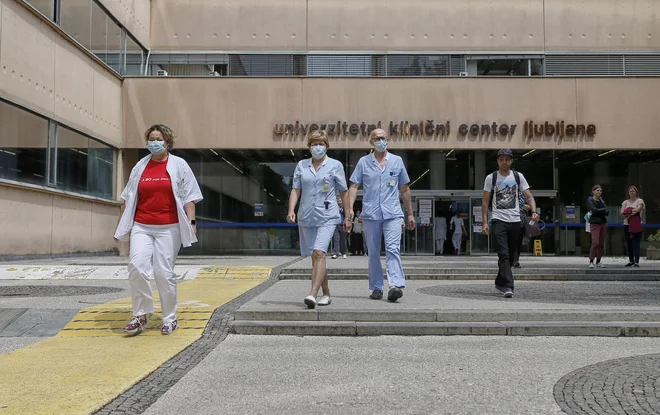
x=76, y=18
x=134, y=57
x=23, y=145
x=106, y=38
x=267, y=65
x=346, y=65
x=84, y=165
x=44, y=6
x=425, y=65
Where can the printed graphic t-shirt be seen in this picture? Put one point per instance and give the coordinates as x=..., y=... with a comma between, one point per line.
x=505, y=197
x=156, y=203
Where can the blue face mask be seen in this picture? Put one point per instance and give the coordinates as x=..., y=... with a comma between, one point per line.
x=156, y=147
x=318, y=151
x=380, y=145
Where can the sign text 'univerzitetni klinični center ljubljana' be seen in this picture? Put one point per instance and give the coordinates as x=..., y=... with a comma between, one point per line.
x=429, y=130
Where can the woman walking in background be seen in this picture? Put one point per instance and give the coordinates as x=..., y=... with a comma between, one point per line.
x=598, y=225
x=315, y=182
x=631, y=209
x=158, y=216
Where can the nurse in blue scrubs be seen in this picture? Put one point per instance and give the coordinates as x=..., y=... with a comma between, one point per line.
x=316, y=182
x=384, y=180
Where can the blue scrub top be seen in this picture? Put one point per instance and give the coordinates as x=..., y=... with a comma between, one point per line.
x=381, y=187
x=318, y=200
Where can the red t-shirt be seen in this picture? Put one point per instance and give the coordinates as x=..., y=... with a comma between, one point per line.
x=156, y=203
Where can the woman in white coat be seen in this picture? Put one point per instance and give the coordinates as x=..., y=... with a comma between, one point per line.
x=158, y=216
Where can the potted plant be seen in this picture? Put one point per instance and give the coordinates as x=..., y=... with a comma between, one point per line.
x=653, y=250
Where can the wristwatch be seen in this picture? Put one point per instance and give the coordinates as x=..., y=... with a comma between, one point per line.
x=193, y=222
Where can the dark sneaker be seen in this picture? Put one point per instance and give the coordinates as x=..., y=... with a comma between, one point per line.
x=136, y=326
x=630, y=264
x=516, y=265
x=394, y=294
x=636, y=265
x=376, y=295
x=168, y=328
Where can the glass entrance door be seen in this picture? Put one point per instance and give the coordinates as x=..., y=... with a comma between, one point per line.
x=420, y=241
x=479, y=243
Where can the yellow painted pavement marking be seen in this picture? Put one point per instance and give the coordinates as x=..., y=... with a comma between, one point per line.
x=90, y=362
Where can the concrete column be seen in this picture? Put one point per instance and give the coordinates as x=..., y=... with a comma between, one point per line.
x=479, y=169
x=438, y=166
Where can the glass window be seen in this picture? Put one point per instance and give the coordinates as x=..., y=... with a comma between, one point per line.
x=346, y=65
x=23, y=145
x=76, y=18
x=44, y=6
x=106, y=38
x=418, y=65
x=84, y=165
x=134, y=57
x=267, y=65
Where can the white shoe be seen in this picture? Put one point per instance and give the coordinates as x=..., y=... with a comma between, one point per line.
x=344, y=256
x=600, y=265
x=310, y=301
x=325, y=300
x=591, y=265
x=334, y=256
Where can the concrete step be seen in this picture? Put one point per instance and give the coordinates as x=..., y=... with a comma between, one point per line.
x=499, y=328
x=443, y=316
x=549, y=276
x=486, y=270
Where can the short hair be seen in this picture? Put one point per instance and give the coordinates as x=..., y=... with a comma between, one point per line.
x=167, y=133
x=318, y=135
x=596, y=186
x=376, y=133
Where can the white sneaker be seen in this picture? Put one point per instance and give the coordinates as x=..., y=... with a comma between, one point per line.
x=325, y=300
x=334, y=256
x=344, y=256
x=600, y=265
x=591, y=265
x=310, y=301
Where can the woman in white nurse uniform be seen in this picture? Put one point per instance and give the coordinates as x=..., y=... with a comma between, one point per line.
x=316, y=182
x=158, y=216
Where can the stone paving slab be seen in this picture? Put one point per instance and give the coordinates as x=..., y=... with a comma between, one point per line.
x=39, y=323
x=8, y=315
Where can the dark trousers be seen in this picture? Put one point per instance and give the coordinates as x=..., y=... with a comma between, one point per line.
x=339, y=241
x=357, y=243
x=633, y=244
x=515, y=253
x=505, y=238
x=598, y=233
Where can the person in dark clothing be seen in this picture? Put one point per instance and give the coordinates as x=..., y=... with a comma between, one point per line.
x=502, y=192
x=597, y=224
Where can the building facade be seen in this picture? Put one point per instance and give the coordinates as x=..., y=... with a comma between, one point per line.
x=569, y=87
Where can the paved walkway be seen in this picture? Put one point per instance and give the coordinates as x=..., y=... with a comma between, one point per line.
x=62, y=350
x=89, y=361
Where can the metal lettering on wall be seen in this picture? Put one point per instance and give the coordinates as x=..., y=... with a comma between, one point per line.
x=430, y=130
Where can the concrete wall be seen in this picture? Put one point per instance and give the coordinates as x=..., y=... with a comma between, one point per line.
x=239, y=113
x=47, y=74
x=437, y=25
x=45, y=223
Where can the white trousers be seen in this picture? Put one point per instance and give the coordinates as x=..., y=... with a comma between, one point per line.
x=456, y=239
x=153, y=251
x=440, y=245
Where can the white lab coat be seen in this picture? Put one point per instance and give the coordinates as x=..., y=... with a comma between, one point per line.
x=184, y=186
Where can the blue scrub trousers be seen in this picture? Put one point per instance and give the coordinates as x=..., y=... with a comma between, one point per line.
x=391, y=229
